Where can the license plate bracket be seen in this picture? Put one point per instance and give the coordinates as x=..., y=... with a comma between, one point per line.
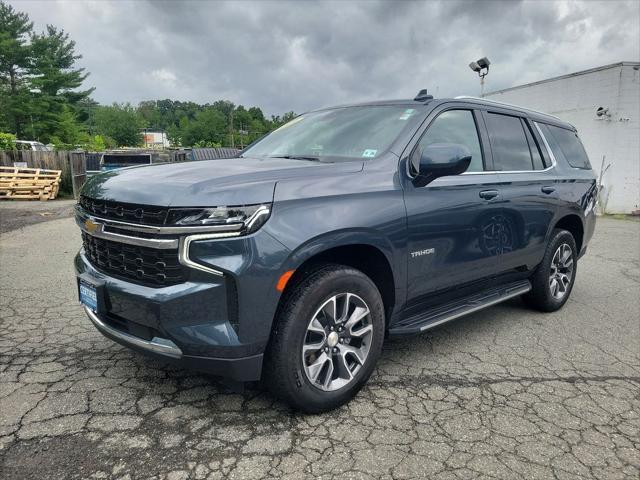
x=91, y=293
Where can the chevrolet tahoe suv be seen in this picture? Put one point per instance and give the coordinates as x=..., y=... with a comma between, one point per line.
x=294, y=261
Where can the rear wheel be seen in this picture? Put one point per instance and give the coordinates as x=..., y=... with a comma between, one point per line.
x=553, y=280
x=327, y=340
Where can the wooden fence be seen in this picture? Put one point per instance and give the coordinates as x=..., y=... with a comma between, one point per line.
x=58, y=160
x=74, y=165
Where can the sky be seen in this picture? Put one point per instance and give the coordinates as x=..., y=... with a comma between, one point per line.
x=298, y=56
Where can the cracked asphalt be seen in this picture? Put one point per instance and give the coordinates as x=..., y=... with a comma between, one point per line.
x=505, y=393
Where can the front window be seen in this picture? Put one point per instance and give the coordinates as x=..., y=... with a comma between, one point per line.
x=343, y=133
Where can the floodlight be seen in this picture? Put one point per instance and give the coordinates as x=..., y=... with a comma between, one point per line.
x=481, y=67
x=474, y=66
x=484, y=63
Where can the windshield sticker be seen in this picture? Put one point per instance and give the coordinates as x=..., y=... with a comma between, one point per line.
x=369, y=153
x=407, y=114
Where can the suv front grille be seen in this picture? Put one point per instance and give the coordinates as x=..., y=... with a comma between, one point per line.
x=147, y=266
x=125, y=212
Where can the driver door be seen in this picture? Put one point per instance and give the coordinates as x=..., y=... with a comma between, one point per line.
x=454, y=221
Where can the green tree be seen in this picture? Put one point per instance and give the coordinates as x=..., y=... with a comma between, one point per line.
x=121, y=123
x=38, y=77
x=69, y=133
x=55, y=79
x=208, y=126
x=14, y=61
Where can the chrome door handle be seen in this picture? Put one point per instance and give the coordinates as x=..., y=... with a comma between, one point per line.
x=548, y=189
x=489, y=194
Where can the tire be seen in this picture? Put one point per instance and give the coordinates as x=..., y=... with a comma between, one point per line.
x=547, y=296
x=294, y=375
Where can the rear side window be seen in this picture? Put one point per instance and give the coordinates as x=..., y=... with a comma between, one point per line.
x=456, y=126
x=569, y=144
x=534, y=148
x=512, y=148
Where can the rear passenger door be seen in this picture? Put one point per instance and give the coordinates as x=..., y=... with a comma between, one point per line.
x=527, y=188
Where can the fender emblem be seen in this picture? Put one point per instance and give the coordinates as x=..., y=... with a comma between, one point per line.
x=426, y=251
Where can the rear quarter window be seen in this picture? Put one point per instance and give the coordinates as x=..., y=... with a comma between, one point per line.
x=569, y=145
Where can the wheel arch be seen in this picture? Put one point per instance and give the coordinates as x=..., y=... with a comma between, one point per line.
x=374, y=259
x=573, y=224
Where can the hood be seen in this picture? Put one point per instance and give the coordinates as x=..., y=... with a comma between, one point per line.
x=235, y=181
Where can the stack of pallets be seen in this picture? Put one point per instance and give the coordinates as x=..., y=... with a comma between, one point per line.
x=29, y=183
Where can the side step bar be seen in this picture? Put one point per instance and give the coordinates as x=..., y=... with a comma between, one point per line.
x=458, y=308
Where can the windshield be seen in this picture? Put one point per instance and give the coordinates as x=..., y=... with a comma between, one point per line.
x=351, y=132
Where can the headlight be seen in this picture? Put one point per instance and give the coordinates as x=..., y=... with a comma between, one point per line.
x=248, y=217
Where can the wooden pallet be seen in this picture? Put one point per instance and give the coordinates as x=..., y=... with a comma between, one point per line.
x=29, y=183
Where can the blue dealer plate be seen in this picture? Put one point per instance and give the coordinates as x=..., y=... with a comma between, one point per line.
x=88, y=296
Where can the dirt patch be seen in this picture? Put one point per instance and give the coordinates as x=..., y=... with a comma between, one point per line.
x=19, y=214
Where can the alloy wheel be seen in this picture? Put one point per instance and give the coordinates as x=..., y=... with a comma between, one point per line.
x=337, y=341
x=561, y=274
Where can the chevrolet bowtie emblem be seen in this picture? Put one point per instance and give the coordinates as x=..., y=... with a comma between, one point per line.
x=90, y=225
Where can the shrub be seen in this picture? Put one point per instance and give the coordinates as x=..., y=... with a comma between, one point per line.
x=7, y=141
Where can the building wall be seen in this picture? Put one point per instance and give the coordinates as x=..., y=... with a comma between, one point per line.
x=575, y=99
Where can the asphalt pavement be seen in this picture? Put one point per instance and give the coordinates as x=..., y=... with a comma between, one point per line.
x=504, y=393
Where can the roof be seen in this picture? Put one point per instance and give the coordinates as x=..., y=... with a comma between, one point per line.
x=569, y=75
x=533, y=114
x=405, y=101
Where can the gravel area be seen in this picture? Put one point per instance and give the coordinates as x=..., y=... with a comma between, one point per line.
x=504, y=393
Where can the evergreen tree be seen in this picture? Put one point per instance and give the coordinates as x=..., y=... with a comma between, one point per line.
x=14, y=61
x=55, y=79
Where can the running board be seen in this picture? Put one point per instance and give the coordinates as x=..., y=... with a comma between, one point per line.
x=458, y=308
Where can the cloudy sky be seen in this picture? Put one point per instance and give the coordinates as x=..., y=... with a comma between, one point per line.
x=285, y=56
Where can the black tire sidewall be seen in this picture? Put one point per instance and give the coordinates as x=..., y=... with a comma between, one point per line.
x=301, y=306
x=540, y=296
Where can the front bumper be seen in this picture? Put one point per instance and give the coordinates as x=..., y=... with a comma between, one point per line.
x=216, y=323
x=244, y=369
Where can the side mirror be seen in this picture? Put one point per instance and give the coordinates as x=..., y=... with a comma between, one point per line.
x=440, y=160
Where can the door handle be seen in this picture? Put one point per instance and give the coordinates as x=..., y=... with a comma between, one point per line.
x=488, y=194
x=548, y=189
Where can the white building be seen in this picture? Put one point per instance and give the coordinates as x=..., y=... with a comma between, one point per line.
x=155, y=139
x=604, y=105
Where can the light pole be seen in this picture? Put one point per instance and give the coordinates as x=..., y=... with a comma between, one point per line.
x=481, y=67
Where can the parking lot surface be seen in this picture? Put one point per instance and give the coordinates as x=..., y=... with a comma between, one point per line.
x=505, y=393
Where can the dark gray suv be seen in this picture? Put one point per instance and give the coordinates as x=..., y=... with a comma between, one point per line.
x=294, y=261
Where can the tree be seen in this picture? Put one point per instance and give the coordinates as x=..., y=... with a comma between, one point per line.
x=38, y=77
x=121, y=123
x=54, y=79
x=14, y=61
x=69, y=133
x=208, y=126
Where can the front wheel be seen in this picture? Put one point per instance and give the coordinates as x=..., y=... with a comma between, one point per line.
x=553, y=280
x=328, y=338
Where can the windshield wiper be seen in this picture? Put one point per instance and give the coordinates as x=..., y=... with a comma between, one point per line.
x=297, y=157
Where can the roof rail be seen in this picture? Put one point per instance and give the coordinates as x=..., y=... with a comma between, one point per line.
x=467, y=97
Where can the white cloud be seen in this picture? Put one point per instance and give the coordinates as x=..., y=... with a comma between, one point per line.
x=164, y=76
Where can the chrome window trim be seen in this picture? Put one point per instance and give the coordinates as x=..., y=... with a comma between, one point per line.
x=185, y=243
x=546, y=146
x=554, y=162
